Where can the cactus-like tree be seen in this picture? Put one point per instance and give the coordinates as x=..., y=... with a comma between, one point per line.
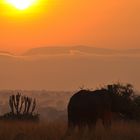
x=21, y=104
x=21, y=108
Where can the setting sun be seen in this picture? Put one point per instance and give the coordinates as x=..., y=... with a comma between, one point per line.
x=21, y=4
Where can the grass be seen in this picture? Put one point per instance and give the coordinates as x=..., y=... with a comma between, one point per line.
x=56, y=131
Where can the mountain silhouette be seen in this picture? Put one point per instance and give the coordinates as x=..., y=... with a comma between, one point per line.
x=79, y=49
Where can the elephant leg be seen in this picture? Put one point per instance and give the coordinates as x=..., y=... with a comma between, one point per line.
x=91, y=128
x=70, y=129
x=92, y=125
x=107, y=124
x=82, y=129
x=106, y=120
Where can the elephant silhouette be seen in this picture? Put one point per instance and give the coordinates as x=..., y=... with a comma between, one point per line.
x=86, y=107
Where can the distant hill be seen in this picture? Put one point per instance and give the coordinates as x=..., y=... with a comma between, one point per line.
x=5, y=53
x=79, y=49
x=68, y=50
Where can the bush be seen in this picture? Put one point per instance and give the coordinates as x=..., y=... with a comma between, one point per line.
x=128, y=101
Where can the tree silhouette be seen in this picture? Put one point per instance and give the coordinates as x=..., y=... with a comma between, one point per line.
x=22, y=108
x=128, y=101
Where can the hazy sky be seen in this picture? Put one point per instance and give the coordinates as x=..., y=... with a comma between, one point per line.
x=99, y=23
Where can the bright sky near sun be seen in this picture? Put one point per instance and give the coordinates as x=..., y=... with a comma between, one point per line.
x=21, y=4
x=101, y=23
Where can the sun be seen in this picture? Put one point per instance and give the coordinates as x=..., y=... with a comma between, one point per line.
x=21, y=4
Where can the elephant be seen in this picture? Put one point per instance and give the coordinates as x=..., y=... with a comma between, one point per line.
x=86, y=107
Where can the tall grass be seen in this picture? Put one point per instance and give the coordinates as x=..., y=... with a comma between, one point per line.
x=56, y=131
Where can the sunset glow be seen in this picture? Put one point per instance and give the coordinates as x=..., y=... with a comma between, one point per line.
x=102, y=23
x=21, y=4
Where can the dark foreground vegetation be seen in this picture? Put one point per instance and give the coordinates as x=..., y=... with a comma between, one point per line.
x=56, y=131
x=125, y=125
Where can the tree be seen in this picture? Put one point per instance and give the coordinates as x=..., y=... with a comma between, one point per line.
x=122, y=95
x=22, y=108
x=121, y=90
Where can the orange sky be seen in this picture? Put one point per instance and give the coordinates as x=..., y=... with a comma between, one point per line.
x=99, y=23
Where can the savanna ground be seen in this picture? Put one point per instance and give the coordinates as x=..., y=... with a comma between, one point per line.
x=56, y=131
x=52, y=108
